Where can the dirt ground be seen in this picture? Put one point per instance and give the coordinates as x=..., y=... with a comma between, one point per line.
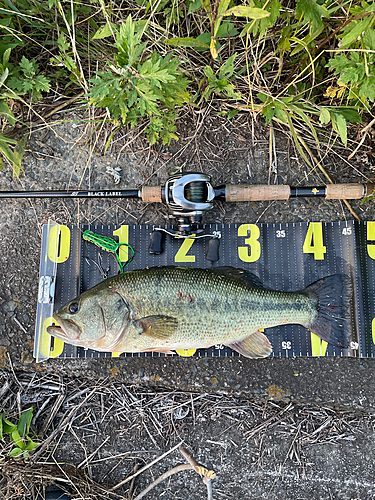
x=259, y=448
x=271, y=449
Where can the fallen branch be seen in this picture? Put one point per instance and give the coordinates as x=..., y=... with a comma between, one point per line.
x=161, y=478
x=145, y=467
x=208, y=474
x=193, y=464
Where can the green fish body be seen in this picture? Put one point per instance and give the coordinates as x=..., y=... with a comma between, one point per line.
x=169, y=308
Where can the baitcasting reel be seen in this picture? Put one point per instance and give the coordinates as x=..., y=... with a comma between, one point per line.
x=188, y=195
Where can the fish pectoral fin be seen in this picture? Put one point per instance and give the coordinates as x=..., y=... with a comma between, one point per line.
x=158, y=327
x=255, y=345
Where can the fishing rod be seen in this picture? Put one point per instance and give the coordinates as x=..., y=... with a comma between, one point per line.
x=195, y=187
x=189, y=195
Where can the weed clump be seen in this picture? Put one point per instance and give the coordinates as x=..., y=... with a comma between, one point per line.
x=304, y=65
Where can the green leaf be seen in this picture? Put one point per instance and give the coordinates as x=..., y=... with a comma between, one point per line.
x=8, y=140
x=297, y=141
x=15, y=452
x=4, y=76
x=6, y=112
x=356, y=32
x=281, y=114
x=324, y=116
x=351, y=115
x=338, y=63
x=209, y=72
x=353, y=73
x=25, y=420
x=6, y=56
x=41, y=83
x=226, y=29
x=31, y=445
x=312, y=12
x=339, y=126
x=187, y=42
x=8, y=427
x=232, y=113
x=132, y=97
x=251, y=12
x=28, y=67
x=102, y=32
x=367, y=88
x=16, y=438
x=284, y=43
x=223, y=6
x=268, y=112
x=195, y=5
x=369, y=38
x=205, y=38
x=62, y=43
x=18, y=153
x=128, y=43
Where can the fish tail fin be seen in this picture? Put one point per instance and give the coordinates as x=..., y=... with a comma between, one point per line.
x=332, y=296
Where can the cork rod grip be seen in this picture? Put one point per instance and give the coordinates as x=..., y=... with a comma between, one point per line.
x=345, y=191
x=151, y=194
x=248, y=192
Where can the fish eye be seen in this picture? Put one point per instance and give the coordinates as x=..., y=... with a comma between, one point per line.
x=73, y=308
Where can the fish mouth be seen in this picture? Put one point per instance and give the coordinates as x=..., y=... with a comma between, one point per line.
x=68, y=329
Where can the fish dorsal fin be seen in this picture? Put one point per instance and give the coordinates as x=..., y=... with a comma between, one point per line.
x=255, y=345
x=239, y=274
x=158, y=327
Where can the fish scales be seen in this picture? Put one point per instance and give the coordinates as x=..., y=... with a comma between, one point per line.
x=168, y=308
x=210, y=309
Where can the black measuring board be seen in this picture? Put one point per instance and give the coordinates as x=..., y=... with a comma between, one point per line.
x=288, y=256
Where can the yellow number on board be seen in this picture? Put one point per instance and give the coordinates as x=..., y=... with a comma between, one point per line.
x=123, y=237
x=251, y=252
x=314, y=241
x=373, y=330
x=183, y=250
x=58, y=243
x=318, y=346
x=371, y=237
x=45, y=341
x=186, y=353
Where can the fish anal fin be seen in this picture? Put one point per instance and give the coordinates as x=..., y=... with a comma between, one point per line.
x=255, y=345
x=157, y=327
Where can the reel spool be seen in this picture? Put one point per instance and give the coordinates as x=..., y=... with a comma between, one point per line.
x=188, y=195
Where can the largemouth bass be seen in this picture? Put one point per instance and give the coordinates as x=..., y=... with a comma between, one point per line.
x=167, y=308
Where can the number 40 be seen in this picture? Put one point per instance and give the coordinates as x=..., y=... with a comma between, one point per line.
x=314, y=241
